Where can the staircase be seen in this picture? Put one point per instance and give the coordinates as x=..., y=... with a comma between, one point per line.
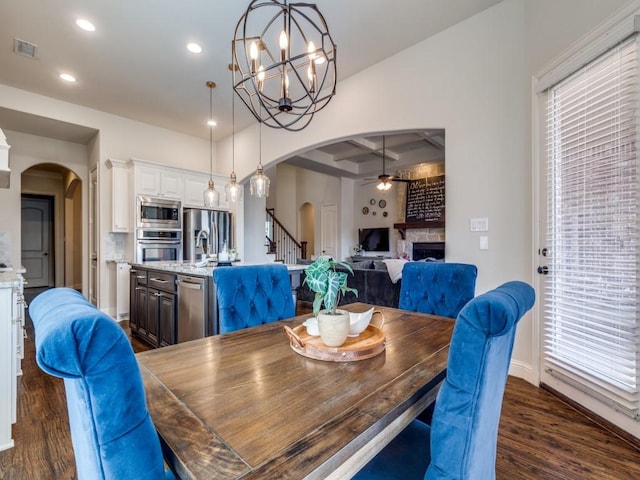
x=280, y=243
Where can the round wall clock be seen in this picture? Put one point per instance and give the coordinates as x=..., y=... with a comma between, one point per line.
x=382, y=203
x=365, y=210
x=372, y=201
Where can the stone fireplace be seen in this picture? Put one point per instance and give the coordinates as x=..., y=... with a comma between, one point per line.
x=430, y=250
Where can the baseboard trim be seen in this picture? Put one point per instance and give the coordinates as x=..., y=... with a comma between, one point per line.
x=594, y=417
x=523, y=371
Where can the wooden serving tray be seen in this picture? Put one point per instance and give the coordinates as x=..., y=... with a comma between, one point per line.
x=369, y=343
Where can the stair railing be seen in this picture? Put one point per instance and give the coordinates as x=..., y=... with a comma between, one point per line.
x=286, y=248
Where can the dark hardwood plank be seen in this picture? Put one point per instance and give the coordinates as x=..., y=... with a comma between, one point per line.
x=540, y=437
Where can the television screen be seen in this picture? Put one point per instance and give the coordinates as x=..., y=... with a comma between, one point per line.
x=374, y=239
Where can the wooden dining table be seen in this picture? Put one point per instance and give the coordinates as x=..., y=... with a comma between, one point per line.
x=246, y=405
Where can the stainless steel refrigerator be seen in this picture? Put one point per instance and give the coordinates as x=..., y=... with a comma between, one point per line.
x=205, y=231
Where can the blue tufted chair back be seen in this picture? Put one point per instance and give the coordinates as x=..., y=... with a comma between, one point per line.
x=437, y=288
x=111, y=430
x=252, y=295
x=461, y=442
x=464, y=430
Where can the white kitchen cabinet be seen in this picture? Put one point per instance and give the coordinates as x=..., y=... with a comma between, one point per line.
x=159, y=182
x=122, y=291
x=120, y=199
x=11, y=350
x=195, y=185
x=188, y=186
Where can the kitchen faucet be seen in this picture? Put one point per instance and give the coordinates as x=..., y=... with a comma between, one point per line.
x=202, y=234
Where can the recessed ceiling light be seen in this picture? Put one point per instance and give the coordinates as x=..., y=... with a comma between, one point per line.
x=67, y=77
x=194, y=48
x=212, y=123
x=85, y=25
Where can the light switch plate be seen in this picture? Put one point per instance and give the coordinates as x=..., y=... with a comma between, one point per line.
x=484, y=243
x=479, y=224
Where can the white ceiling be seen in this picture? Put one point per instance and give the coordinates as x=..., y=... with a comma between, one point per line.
x=136, y=64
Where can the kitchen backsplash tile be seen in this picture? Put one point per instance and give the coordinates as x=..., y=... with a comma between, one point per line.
x=115, y=245
x=5, y=247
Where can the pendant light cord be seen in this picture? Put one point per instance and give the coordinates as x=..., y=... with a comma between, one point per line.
x=210, y=133
x=233, y=127
x=260, y=139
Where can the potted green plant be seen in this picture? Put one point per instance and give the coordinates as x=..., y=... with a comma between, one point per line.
x=329, y=284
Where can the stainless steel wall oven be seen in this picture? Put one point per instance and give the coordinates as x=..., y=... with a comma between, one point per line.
x=158, y=245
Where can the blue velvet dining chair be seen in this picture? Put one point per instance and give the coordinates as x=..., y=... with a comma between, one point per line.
x=437, y=288
x=112, y=433
x=251, y=295
x=461, y=442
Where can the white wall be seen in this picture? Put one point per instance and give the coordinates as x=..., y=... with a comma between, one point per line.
x=119, y=138
x=470, y=80
x=473, y=80
x=299, y=186
x=27, y=151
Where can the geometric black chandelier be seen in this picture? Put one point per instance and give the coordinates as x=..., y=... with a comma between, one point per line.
x=283, y=62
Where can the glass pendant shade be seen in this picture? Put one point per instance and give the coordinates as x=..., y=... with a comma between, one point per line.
x=211, y=196
x=233, y=190
x=259, y=185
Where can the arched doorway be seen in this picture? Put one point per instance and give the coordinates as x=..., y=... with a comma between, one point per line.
x=51, y=226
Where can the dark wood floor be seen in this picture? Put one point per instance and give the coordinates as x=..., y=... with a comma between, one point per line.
x=540, y=436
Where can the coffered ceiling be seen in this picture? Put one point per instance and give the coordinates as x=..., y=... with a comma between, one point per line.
x=361, y=157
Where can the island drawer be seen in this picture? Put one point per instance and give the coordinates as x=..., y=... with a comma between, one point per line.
x=162, y=281
x=140, y=276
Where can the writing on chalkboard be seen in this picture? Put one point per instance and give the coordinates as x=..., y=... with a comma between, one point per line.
x=425, y=200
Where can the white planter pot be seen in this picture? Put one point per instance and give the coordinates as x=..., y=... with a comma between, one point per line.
x=333, y=328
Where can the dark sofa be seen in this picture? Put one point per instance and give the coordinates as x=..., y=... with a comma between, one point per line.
x=370, y=278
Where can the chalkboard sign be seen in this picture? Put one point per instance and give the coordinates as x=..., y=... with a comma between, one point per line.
x=425, y=200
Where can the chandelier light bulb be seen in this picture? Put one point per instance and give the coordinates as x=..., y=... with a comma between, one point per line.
x=261, y=78
x=253, y=54
x=284, y=40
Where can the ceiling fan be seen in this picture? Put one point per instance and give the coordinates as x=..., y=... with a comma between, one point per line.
x=384, y=180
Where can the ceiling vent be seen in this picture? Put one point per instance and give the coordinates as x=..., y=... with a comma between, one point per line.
x=24, y=48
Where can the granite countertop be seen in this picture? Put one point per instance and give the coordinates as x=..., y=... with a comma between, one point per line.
x=9, y=279
x=188, y=267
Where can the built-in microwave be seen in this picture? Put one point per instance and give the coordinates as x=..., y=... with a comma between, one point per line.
x=161, y=213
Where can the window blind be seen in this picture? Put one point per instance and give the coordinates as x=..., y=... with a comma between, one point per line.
x=591, y=321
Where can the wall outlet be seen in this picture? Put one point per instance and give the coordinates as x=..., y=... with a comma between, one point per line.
x=479, y=224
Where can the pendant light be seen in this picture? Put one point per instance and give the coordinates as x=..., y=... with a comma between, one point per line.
x=232, y=190
x=211, y=195
x=259, y=185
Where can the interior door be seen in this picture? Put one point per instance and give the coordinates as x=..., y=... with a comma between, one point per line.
x=93, y=236
x=329, y=232
x=37, y=230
